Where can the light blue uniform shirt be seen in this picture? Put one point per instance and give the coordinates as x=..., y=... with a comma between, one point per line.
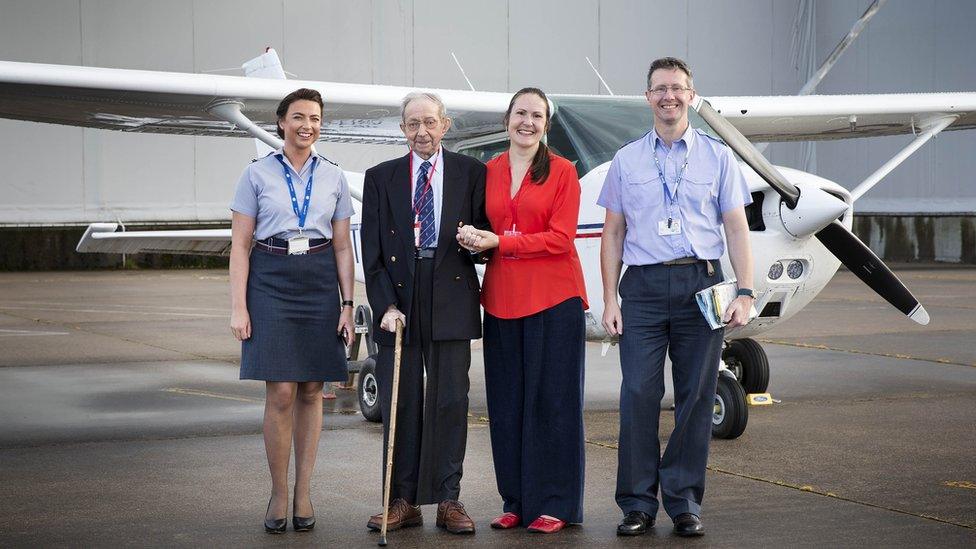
x=262, y=193
x=711, y=185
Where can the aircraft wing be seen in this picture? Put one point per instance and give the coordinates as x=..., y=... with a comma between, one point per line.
x=823, y=117
x=179, y=103
x=103, y=238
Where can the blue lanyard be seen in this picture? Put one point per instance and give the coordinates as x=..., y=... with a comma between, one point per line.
x=291, y=189
x=677, y=181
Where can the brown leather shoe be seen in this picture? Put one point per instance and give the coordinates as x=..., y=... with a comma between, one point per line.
x=401, y=515
x=452, y=517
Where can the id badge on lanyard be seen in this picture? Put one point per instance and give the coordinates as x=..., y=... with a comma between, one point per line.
x=299, y=245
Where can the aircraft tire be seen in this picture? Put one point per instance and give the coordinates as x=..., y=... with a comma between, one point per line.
x=748, y=360
x=730, y=414
x=368, y=391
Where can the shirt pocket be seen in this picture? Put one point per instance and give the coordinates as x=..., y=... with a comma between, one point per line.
x=642, y=189
x=701, y=189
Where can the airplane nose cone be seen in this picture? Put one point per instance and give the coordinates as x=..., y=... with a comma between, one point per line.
x=814, y=211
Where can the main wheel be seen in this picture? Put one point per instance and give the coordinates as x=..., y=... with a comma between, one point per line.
x=747, y=360
x=368, y=391
x=730, y=414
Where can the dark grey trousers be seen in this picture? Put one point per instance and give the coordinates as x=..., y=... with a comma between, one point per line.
x=432, y=424
x=660, y=316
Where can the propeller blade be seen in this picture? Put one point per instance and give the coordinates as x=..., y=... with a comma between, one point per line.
x=871, y=270
x=749, y=153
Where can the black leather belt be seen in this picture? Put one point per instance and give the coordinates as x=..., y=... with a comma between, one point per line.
x=682, y=261
x=425, y=253
x=279, y=246
x=691, y=260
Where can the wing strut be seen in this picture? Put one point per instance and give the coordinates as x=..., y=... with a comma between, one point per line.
x=935, y=125
x=230, y=111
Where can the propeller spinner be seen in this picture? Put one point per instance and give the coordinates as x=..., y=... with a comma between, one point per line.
x=815, y=213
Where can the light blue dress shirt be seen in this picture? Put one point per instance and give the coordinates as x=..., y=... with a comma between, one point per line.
x=262, y=193
x=710, y=185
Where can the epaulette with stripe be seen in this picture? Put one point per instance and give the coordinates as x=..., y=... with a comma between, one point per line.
x=702, y=133
x=327, y=160
x=253, y=160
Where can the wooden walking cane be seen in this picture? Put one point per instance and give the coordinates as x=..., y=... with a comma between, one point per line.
x=392, y=437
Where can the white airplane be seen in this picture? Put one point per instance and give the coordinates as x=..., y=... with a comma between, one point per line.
x=800, y=223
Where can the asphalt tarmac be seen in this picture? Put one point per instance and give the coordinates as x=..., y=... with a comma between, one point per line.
x=123, y=423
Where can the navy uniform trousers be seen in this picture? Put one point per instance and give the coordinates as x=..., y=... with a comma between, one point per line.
x=432, y=424
x=660, y=316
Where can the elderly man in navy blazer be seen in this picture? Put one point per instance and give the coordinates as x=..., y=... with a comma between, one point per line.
x=416, y=272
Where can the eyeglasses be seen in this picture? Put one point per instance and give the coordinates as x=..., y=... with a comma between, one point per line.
x=429, y=123
x=675, y=89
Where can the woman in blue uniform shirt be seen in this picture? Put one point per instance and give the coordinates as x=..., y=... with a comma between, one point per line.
x=291, y=253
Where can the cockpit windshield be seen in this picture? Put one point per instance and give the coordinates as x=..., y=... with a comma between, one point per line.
x=589, y=132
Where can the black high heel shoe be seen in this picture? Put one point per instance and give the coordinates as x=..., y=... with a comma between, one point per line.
x=274, y=526
x=302, y=524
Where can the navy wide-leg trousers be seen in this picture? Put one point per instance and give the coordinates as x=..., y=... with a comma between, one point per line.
x=660, y=316
x=534, y=385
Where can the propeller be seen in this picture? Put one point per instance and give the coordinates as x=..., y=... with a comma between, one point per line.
x=818, y=215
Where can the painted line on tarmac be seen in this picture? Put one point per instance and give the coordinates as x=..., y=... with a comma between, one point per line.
x=812, y=490
x=108, y=311
x=20, y=333
x=196, y=392
x=859, y=352
x=960, y=484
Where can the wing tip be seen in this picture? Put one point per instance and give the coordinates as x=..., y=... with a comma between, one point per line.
x=919, y=314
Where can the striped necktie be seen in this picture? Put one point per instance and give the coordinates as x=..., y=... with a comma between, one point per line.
x=423, y=204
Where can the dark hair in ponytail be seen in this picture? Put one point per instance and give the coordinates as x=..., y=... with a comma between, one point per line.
x=539, y=169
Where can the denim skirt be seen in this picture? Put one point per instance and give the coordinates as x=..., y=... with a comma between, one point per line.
x=293, y=302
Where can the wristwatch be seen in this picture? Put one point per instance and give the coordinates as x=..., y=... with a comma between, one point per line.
x=749, y=292
x=347, y=302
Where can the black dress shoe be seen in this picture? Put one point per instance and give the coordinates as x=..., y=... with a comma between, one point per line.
x=688, y=525
x=302, y=524
x=635, y=523
x=274, y=526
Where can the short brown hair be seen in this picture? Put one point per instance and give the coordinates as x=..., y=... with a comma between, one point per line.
x=307, y=94
x=671, y=63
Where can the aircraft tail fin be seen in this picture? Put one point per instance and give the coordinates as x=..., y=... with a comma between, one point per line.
x=266, y=65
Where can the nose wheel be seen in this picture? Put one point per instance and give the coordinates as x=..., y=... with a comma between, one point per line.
x=748, y=362
x=730, y=413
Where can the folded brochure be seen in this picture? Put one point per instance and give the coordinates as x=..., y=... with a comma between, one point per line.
x=715, y=299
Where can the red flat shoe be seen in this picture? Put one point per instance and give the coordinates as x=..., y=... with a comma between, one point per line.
x=546, y=525
x=506, y=521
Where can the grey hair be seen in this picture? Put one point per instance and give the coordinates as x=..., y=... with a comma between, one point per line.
x=429, y=96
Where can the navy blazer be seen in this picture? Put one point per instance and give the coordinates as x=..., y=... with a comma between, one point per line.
x=388, y=246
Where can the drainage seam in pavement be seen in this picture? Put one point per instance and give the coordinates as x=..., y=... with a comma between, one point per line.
x=858, y=352
x=812, y=490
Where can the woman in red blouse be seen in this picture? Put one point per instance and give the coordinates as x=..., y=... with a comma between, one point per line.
x=534, y=299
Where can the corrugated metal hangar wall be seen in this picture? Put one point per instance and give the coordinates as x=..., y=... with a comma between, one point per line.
x=58, y=176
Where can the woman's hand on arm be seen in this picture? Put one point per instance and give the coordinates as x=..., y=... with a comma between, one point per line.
x=476, y=240
x=242, y=232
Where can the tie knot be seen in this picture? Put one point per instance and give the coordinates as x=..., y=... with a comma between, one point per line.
x=425, y=166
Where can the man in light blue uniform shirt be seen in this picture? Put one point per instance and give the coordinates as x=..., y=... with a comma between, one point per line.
x=667, y=196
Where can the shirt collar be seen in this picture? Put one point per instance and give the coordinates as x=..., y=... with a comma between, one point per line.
x=688, y=138
x=280, y=153
x=435, y=159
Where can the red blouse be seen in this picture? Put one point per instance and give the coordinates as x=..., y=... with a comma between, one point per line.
x=538, y=268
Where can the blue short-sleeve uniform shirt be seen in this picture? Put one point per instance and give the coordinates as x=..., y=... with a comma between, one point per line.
x=262, y=193
x=710, y=184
